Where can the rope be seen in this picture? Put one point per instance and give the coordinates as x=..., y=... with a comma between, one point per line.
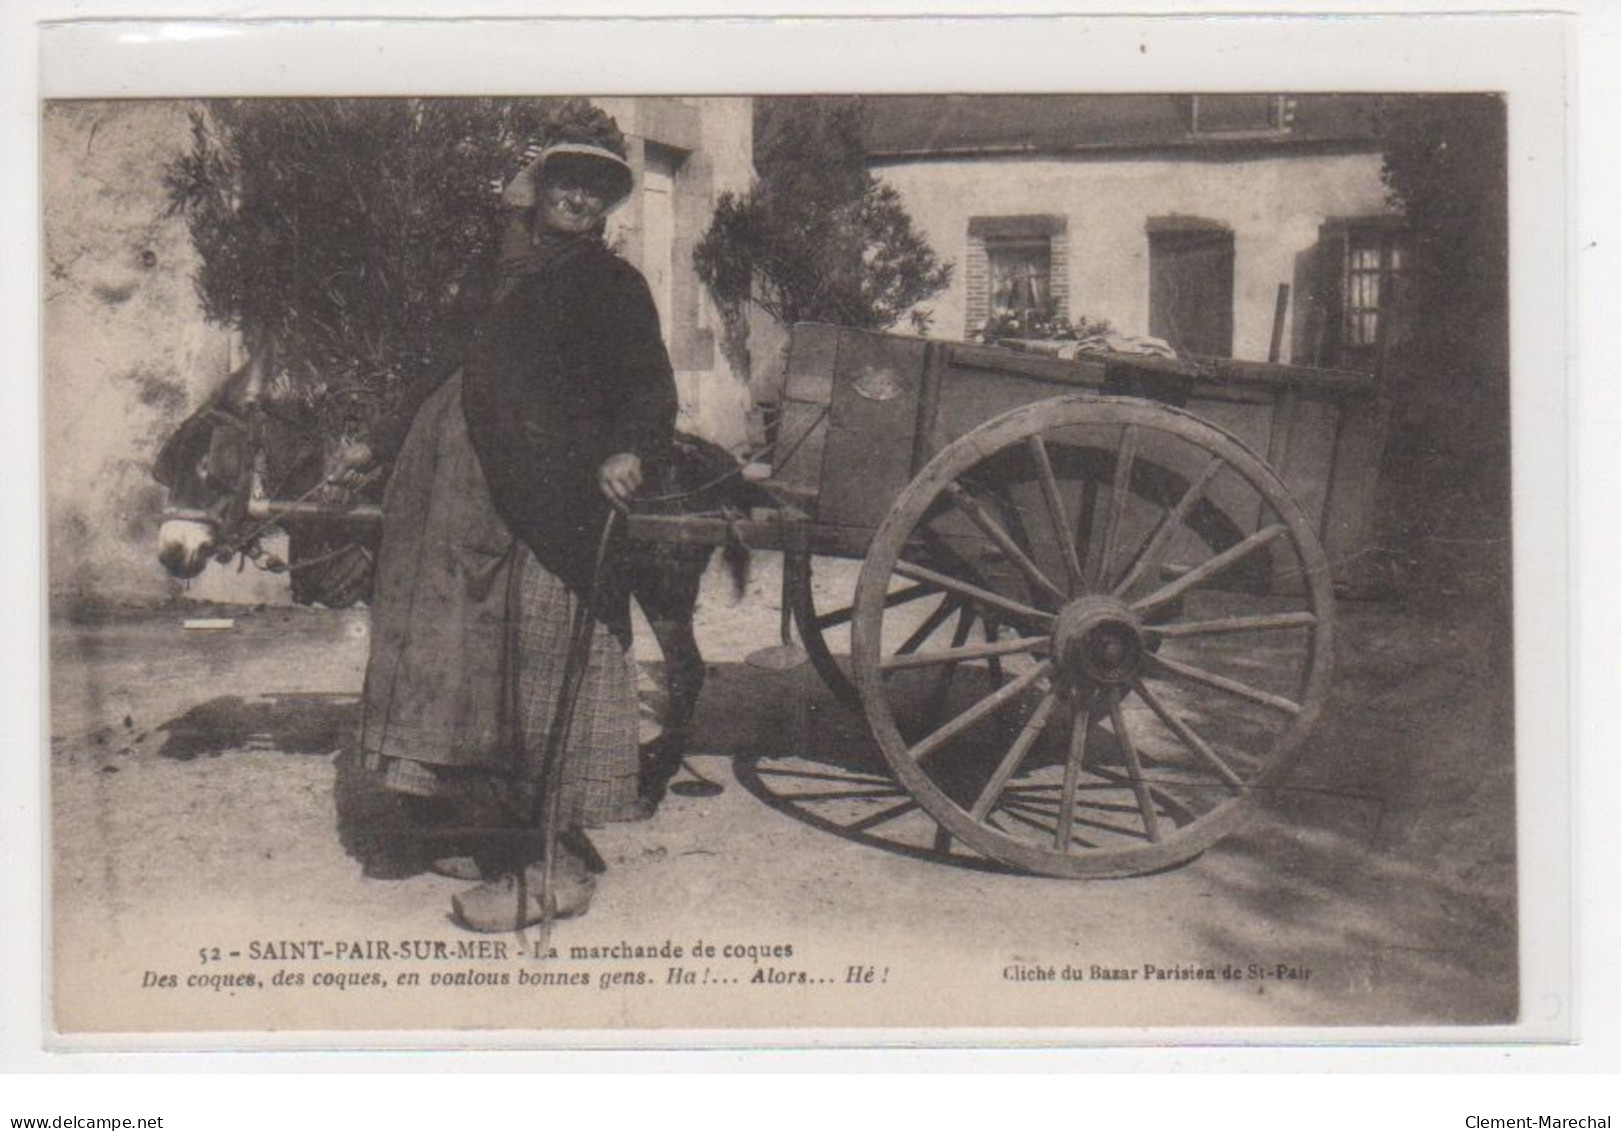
x=241, y=544
x=735, y=472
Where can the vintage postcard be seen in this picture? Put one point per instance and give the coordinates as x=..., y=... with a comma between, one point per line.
x=563, y=565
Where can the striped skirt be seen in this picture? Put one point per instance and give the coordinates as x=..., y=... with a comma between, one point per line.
x=600, y=774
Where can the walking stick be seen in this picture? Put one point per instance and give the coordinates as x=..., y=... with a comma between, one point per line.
x=555, y=756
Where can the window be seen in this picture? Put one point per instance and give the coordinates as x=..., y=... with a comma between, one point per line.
x=1365, y=264
x=1016, y=266
x=1373, y=271
x=1238, y=113
x=1021, y=275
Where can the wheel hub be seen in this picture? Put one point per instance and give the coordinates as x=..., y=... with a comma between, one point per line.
x=1098, y=640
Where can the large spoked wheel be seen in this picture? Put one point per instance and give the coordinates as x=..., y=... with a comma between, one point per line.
x=1148, y=636
x=823, y=607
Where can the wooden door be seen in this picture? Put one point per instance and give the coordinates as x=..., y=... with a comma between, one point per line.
x=1190, y=289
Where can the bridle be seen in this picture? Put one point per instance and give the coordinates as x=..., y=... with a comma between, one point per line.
x=237, y=535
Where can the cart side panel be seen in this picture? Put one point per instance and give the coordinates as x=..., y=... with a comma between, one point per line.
x=1302, y=451
x=862, y=409
x=807, y=392
x=877, y=386
x=1250, y=419
x=978, y=384
x=1348, y=533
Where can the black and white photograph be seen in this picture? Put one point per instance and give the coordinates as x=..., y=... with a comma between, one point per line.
x=572, y=564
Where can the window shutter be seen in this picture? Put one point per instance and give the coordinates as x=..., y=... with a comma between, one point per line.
x=1327, y=343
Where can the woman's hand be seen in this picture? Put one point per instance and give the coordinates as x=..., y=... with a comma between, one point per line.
x=620, y=476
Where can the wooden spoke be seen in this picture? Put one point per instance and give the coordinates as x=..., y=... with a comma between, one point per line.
x=1072, y=775
x=1119, y=491
x=1145, y=799
x=992, y=529
x=965, y=654
x=1086, y=525
x=1186, y=733
x=974, y=593
x=841, y=616
x=1016, y=753
x=1156, y=788
x=1222, y=683
x=1055, y=511
x=942, y=840
x=1007, y=692
x=942, y=681
x=965, y=627
x=1261, y=623
x=1148, y=557
x=931, y=623
x=899, y=597
x=1208, y=569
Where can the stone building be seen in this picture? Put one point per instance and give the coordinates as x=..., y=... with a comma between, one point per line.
x=1172, y=215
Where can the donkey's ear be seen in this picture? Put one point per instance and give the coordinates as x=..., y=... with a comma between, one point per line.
x=183, y=449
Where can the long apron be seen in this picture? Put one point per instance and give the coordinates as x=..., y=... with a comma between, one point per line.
x=469, y=634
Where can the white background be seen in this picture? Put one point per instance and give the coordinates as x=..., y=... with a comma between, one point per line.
x=1562, y=248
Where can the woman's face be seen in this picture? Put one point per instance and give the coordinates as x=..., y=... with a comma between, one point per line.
x=571, y=201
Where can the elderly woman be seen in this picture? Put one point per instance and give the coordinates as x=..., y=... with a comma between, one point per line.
x=491, y=527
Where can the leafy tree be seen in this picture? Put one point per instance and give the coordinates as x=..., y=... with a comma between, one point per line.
x=817, y=237
x=1445, y=478
x=1445, y=165
x=339, y=235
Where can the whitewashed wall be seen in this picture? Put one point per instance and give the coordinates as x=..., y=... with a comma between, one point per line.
x=1274, y=205
x=127, y=354
x=715, y=139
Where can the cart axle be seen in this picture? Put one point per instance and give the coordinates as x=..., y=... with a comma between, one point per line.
x=1098, y=640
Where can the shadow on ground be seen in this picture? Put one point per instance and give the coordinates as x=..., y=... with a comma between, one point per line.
x=300, y=723
x=1385, y=858
x=799, y=751
x=1390, y=852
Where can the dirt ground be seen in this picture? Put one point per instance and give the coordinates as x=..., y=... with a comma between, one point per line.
x=194, y=832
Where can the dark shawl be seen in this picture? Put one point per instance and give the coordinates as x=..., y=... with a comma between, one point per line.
x=565, y=370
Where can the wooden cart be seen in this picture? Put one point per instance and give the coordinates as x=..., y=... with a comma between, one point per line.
x=1093, y=625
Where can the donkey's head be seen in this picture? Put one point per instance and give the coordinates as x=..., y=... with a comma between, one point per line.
x=233, y=465
x=208, y=467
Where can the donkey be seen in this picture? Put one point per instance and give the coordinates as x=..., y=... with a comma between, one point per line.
x=246, y=436
x=253, y=434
